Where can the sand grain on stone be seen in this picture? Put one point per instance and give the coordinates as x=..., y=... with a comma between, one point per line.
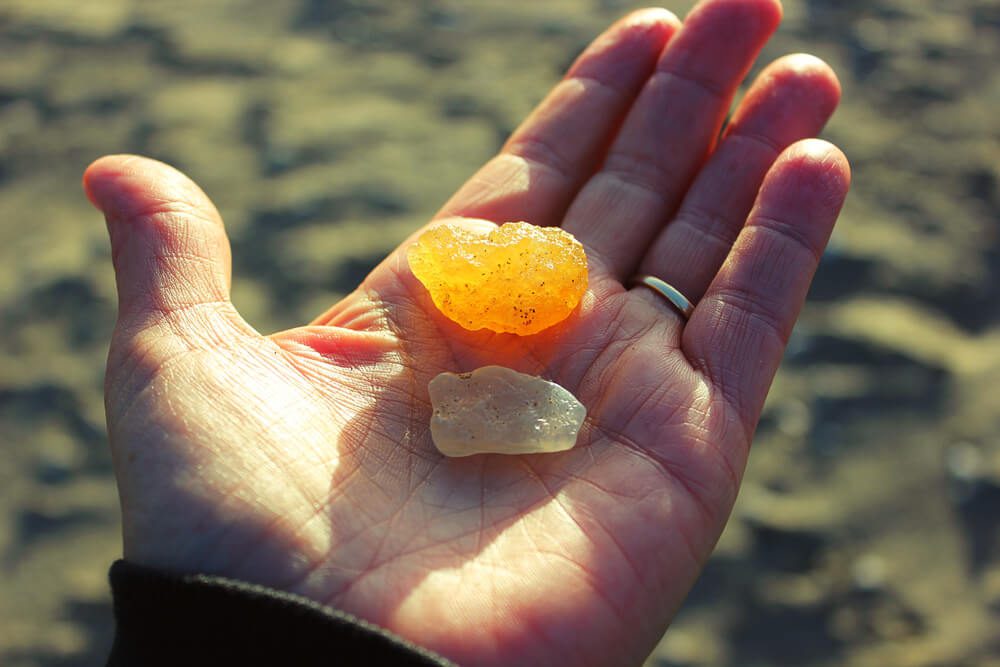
x=517, y=279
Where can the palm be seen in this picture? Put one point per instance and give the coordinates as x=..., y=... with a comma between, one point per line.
x=378, y=524
x=303, y=460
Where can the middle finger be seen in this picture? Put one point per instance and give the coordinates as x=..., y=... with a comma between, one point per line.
x=669, y=131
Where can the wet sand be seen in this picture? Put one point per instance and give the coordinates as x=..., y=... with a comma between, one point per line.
x=868, y=529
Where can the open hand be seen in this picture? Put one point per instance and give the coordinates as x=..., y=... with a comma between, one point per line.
x=303, y=461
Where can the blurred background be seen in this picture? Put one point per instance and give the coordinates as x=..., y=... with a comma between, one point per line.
x=868, y=531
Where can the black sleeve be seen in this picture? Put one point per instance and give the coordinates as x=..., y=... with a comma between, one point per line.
x=165, y=619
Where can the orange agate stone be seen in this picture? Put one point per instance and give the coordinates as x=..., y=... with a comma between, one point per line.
x=517, y=279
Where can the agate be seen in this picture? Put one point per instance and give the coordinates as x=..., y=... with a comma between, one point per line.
x=517, y=279
x=496, y=410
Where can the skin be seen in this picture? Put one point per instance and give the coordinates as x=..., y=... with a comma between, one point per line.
x=302, y=460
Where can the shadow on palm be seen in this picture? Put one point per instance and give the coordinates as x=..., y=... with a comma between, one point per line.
x=573, y=537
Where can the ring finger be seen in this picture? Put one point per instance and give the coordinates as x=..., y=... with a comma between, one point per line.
x=791, y=100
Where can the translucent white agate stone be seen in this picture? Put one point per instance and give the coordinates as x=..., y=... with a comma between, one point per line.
x=495, y=410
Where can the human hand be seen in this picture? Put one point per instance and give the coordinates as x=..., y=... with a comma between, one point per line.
x=302, y=460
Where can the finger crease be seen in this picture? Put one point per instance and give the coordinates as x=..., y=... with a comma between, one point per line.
x=787, y=231
x=711, y=89
x=712, y=227
x=756, y=138
x=751, y=306
x=541, y=152
x=648, y=177
x=606, y=86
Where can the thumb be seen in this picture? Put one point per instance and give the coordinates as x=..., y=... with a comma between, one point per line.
x=168, y=245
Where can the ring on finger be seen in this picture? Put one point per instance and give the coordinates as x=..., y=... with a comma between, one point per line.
x=667, y=291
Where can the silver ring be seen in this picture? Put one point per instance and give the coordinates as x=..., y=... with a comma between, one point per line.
x=667, y=291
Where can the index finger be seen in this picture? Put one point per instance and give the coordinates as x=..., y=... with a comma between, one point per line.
x=558, y=146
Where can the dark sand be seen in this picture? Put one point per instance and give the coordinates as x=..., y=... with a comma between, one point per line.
x=868, y=530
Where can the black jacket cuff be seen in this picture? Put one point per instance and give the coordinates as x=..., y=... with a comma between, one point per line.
x=166, y=619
